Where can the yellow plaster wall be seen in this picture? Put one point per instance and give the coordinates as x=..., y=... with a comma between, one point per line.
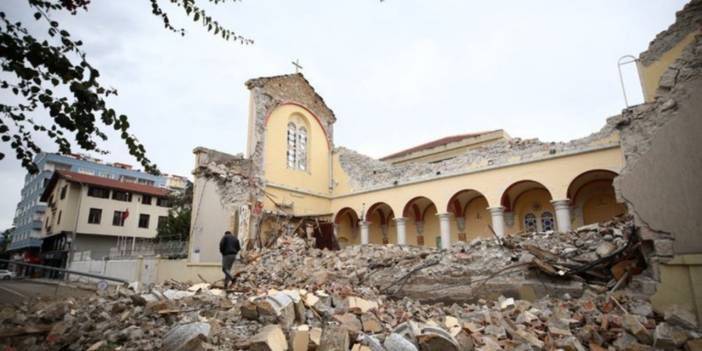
x=599, y=203
x=477, y=219
x=347, y=232
x=316, y=177
x=681, y=284
x=303, y=203
x=650, y=75
x=431, y=227
x=342, y=185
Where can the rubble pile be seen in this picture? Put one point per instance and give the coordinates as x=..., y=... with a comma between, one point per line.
x=295, y=297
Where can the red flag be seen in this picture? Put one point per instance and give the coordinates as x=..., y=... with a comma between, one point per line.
x=125, y=214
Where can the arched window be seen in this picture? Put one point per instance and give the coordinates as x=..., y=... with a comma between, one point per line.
x=302, y=148
x=547, y=221
x=529, y=222
x=292, y=141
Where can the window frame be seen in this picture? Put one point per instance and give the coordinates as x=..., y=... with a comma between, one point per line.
x=118, y=222
x=141, y=218
x=91, y=213
x=128, y=195
x=92, y=189
x=531, y=227
x=551, y=219
x=144, y=197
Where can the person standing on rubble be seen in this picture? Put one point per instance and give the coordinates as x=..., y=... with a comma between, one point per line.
x=228, y=247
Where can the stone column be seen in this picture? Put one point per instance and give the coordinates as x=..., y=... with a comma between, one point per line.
x=562, y=208
x=445, y=227
x=364, y=232
x=498, y=221
x=401, y=231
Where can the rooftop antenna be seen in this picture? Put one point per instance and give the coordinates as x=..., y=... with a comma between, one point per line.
x=621, y=62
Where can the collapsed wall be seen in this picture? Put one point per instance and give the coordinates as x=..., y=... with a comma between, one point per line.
x=660, y=183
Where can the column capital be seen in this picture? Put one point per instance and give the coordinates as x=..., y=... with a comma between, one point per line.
x=402, y=220
x=496, y=210
x=363, y=223
x=444, y=215
x=563, y=204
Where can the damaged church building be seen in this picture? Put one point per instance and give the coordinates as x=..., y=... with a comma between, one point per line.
x=644, y=162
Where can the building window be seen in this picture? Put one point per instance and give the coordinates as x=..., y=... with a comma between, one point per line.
x=297, y=147
x=162, y=201
x=292, y=140
x=143, y=221
x=63, y=192
x=529, y=222
x=162, y=220
x=547, y=221
x=58, y=221
x=118, y=218
x=146, y=181
x=102, y=193
x=146, y=199
x=121, y=196
x=302, y=148
x=95, y=216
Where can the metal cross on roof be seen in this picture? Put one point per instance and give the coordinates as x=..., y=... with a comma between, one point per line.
x=296, y=63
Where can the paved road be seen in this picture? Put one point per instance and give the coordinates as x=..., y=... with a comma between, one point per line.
x=14, y=291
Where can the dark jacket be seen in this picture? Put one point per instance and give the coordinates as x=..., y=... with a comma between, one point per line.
x=229, y=245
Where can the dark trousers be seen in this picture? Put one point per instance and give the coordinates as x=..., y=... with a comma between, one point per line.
x=227, y=262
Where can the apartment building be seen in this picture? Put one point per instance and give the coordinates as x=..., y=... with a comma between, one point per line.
x=27, y=237
x=94, y=215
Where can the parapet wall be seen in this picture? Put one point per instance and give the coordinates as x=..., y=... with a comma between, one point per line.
x=366, y=173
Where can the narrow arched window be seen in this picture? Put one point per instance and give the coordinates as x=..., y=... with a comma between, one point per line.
x=529, y=222
x=547, y=221
x=302, y=148
x=292, y=141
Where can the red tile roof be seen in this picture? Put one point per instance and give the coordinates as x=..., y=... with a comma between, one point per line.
x=103, y=182
x=436, y=143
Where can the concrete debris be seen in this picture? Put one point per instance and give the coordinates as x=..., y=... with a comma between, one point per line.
x=381, y=298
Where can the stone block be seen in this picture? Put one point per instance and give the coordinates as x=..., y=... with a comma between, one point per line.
x=350, y=322
x=269, y=338
x=276, y=308
x=371, y=324
x=396, y=342
x=300, y=338
x=315, y=337
x=248, y=310
x=358, y=305
x=334, y=338
x=186, y=337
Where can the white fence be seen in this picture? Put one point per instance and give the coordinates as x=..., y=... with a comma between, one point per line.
x=149, y=270
x=143, y=270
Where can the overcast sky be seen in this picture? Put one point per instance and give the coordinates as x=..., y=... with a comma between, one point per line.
x=396, y=74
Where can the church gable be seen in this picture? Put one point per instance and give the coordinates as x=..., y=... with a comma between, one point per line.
x=271, y=92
